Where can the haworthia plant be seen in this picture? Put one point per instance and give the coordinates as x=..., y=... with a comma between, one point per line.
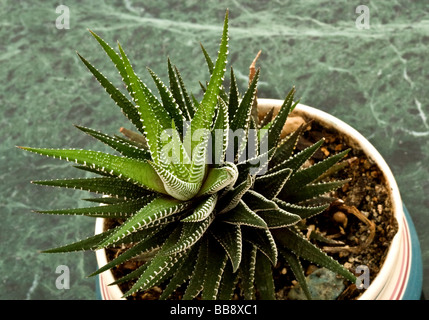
x=216, y=218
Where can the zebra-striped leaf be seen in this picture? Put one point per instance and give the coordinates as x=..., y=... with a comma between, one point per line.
x=296, y=267
x=308, y=175
x=263, y=240
x=269, y=185
x=119, y=210
x=218, y=179
x=206, y=111
x=203, y=210
x=247, y=271
x=306, y=250
x=231, y=197
x=191, y=233
x=242, y=215
x=159, y=208
x=126, y=106
x=159, y=267
x=174, y=186
x=264, y=282
x=257, y=202
x=196, y=282
x=304, y=212
x=120, y=145
x=169, y=102
x=229, y=237
x=182, y=274
x=102, y=185
x=216, y=262
x=139, y=172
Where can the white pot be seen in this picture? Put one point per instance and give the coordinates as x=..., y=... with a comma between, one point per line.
x=104, y=290
x=400, y=277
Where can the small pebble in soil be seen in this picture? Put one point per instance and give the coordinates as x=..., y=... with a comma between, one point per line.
x=340, y=218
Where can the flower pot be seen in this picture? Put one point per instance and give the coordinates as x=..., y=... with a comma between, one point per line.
x=104, y=291
x=400, y=276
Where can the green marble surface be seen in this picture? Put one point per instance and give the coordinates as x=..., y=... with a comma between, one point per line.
x=375, y=79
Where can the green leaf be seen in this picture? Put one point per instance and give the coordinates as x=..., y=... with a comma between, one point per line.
x=306, y=250
x=254, y=166
x=264, y=282
x=313, y=190
x=116, y=58
x=159, y=267
x=263, y=240
x=241, y=118
x=203, y=210
x=148, y=244
x=103, y=185
x=119, y=210
x=229, y=237
x=135, y=274
x=286, y=147
x=247, y=271
x=139, y=172
x=276, y=127
x=216, y=262
x=256, y=201
x=277, y=218
x=253, y=145
x=92, y=170
x=206, y=111
x=191, y=233
x=120, y=145
x=298, y=159
x=209, y=61
x=182, y=274
x=296, y=267
x=230, y=198
x=218, y=179
x=233, y=101
x=105, y=200
x=159, y=208
x=169, y=102
x=269, y=185
x=211, y=67
x=220, y=134
x=228, y=283
x=265, y=123
x=307, y=175
x=240, y=122
x=196, y=282
x=186, y=99
x=148, y=106
x=242, y=215
x=89, y=243
x=126, y=106
x=303, y=211
x=176, y=92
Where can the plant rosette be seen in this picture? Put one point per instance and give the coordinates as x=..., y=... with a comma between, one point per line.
x=399, y=277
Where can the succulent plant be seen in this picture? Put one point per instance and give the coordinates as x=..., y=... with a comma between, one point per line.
x=186, y=194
